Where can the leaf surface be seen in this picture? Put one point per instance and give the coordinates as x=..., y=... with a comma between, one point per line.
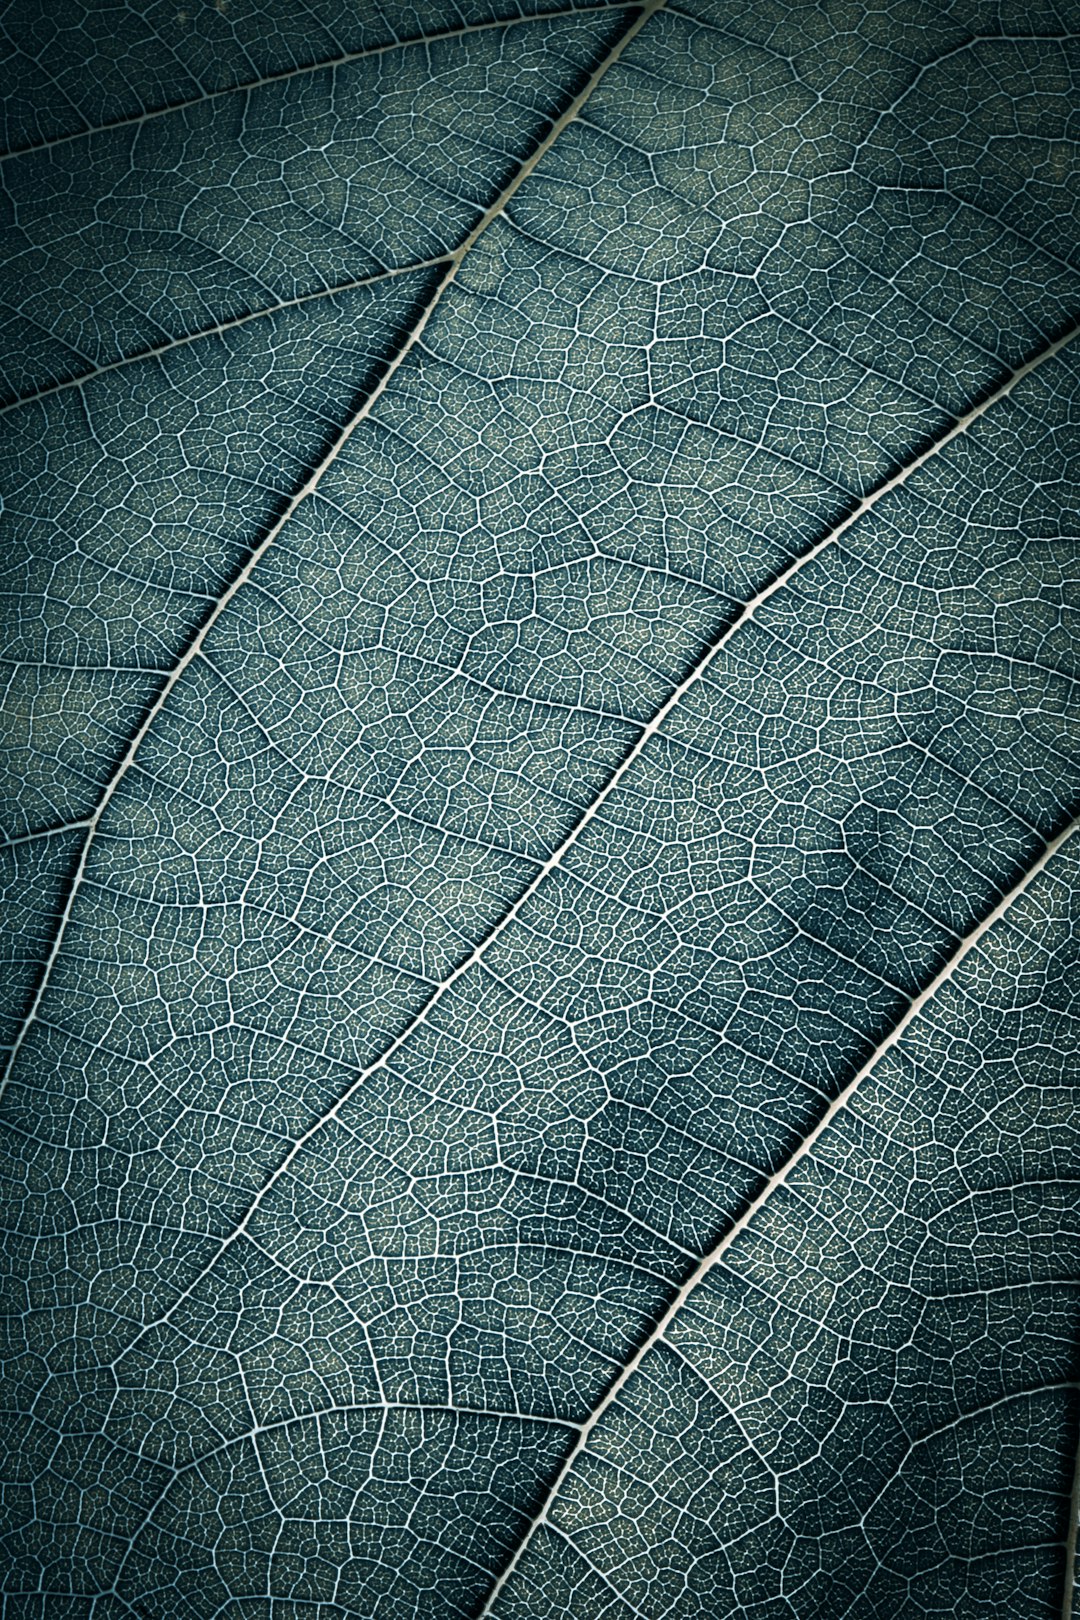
x=541, y=562
x=856, y=1409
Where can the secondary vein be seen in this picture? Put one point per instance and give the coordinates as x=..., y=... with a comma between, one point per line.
x=153, y=350
x=716, y=1254
x=342, y=59
x=513, y=911
x=453, y=264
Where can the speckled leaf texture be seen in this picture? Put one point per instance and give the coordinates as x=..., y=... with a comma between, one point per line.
x=541, y=993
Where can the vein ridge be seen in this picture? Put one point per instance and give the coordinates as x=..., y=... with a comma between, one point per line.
x=217, y=328
x=343, y=59
x=778, y=1178
x=453, y=264
x=330, y=1115
x=1068, y=1605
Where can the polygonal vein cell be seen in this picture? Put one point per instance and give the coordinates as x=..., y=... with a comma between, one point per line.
x=132, y=501
x=84, y=67
x=143, y=233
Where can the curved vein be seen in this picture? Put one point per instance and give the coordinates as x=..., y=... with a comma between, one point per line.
x=343, y=59
x=778, y=1179
x=195, y=646
x=474, y=957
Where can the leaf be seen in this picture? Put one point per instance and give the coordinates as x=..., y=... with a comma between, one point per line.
x=541, y=583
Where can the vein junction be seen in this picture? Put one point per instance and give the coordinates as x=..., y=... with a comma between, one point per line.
x=599, y=720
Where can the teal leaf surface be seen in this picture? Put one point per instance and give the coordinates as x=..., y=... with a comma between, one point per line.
x=857, y=1408
x=540, y=583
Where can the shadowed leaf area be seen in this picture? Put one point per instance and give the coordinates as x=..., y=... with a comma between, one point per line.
x=539, y=1011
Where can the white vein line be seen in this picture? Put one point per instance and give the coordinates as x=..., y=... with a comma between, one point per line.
x=153, y=350
x=324, y=1414
x=927, y=1438
x=777, y=1179
x=256, y=1433
x=79, y=825
x=454, y=262
x=343, y=59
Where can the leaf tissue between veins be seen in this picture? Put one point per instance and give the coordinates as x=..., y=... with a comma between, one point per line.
x=540, y=998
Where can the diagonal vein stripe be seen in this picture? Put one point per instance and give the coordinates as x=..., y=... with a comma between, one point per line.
x=777, y=1179
x=195, y=646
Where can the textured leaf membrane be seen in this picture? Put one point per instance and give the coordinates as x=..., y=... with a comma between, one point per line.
x=860, y=1409
x=437, y=916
